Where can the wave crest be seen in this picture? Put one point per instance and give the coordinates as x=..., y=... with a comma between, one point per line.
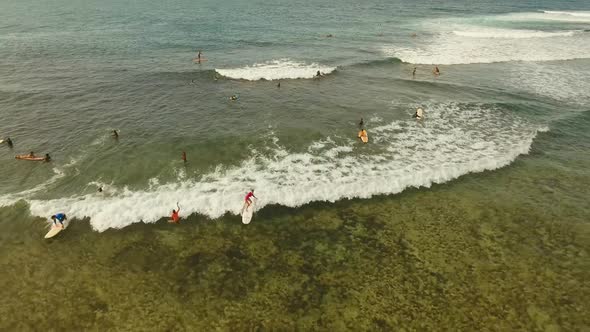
x=276, y=70
x=453, y=140
x=511, y=33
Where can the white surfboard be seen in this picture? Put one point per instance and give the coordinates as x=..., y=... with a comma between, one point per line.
x=1, y=141
x=248, y=213
x=55, y=229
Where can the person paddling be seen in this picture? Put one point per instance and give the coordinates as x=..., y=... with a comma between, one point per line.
x=174, y=216
x=9, y=142
x=59, y=217
x=115, y=134
x=363, y=136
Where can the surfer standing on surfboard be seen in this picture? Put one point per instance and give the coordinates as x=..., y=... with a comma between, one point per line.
x=59, y=217
x=174, y=216
x=248, y=199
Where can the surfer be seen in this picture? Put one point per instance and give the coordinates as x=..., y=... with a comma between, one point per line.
x=363, y=136
x=199, y=56
x=419, y=113
x=99, y=189
x=436, y=71
x=279, y=85
x=47, y=157
x=184, y=156
x=9, y=142
x=59, y=217
x=414, y=73
x=175, y=217
x=233, y=98
x=318, y=74
x=248, y=198
x=115, y=134
x=361, y=124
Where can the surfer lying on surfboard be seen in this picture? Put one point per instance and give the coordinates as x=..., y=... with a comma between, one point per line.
x=59, y=217
x=363, y=136
x=31, y=156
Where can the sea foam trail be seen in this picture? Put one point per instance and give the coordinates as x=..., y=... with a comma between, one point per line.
x=452, y=141
x=510, y=33
x=276, y=70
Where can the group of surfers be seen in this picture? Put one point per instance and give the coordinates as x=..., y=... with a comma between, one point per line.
x=174, y=218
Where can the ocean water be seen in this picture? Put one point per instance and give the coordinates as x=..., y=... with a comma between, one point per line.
x=477, y=216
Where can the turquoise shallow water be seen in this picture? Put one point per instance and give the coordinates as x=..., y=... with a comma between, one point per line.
x=474, y=218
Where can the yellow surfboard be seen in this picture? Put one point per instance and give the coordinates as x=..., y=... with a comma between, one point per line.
x=363, y=136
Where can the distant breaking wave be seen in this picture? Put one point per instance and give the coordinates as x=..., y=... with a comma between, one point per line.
x=275, y=70
x=462, y=40
x=457, y=139
x=511, y=33
x=497, y=45
x=578, y=14
x=548, y=15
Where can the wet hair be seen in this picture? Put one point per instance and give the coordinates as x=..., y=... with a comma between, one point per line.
x=53, y=216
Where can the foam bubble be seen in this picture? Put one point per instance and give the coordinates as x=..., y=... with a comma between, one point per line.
x=453, y=140
x=276, y=70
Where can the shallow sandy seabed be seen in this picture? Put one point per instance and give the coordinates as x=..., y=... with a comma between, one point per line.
x=466, y=255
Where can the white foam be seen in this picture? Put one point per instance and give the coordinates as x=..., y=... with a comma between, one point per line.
x=276, y=70
x=453, y=140
x=546, y=16
x=510, y=33
x=451, y=48
x=570, y=13
x=460, y=41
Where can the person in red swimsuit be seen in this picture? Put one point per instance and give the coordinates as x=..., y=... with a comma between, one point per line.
x=249, y=198
x=175, y=217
